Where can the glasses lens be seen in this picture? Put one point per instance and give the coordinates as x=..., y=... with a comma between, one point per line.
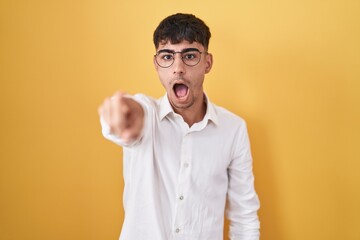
x=165, y=59
x=191, y=58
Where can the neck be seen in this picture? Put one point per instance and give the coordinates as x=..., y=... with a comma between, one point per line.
x=195, y=113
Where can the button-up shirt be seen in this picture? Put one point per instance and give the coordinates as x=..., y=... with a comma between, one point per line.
x=180, y=180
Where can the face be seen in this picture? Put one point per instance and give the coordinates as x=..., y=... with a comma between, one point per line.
x=183, y=83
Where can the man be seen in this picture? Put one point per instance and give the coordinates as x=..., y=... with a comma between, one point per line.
x=186, y=160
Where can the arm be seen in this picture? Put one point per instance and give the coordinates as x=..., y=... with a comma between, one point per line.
x=243, y=202
x=123, y=116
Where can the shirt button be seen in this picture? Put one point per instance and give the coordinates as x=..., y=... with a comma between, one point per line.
x=177, y=230
x=186, y=165
x=181, y=197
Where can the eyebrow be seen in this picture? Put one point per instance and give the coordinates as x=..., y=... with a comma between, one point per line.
x=182, y=51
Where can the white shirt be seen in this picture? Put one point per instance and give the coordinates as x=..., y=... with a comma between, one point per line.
x=179, y=179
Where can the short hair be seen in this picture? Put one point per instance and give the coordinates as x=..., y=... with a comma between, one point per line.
x=179, y=27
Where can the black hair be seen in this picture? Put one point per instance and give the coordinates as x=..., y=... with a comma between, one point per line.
x=179, y=27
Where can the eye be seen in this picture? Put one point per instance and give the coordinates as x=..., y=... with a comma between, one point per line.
x=190, y=56
x=166, y=56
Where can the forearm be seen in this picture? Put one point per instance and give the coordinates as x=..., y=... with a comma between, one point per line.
x=243, y=217
x=243, y=202
x=247, y=228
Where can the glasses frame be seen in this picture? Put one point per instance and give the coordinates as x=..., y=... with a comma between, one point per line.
x=182, y=57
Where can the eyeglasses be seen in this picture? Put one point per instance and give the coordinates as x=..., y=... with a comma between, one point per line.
x=190, y=56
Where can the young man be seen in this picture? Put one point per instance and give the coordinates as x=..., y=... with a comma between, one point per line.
x=186, y=160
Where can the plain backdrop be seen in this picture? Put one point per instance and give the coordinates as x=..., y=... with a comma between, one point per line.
x=290, y=68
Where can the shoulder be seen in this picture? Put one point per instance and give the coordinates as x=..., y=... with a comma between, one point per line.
x=147, y=102
x=228, y=118
x=144, y=99
x=231, y=125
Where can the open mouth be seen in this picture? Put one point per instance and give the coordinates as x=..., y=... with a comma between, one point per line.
x=180, y=90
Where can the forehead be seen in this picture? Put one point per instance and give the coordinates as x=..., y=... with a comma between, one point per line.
x=180, y=46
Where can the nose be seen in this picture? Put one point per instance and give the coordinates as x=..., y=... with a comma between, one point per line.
x=178, y=65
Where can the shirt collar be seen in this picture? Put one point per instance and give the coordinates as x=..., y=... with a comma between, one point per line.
x=166, y=108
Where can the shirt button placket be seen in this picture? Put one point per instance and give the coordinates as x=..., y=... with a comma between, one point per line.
x=182, y=188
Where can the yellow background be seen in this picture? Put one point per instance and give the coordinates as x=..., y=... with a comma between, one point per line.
x=290, y=68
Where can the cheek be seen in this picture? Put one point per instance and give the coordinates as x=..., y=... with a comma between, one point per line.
x=163, y=80
x=198, y=79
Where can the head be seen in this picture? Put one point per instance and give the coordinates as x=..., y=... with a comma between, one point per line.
x=179, y=27
x=179, y=38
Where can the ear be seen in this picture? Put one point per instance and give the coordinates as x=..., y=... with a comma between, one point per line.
x=155, y=64
x=209, y=62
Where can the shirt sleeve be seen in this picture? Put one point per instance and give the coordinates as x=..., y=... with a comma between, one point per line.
x=243, y=202
x=105, y=128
